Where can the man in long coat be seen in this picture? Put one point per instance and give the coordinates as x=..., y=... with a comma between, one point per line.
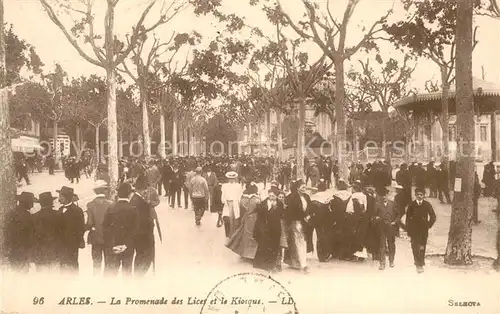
x=73, y=227
x=212, y=181
x=420, y=217
x=19, y=233
x=119, y=229
x=96, y=211
x=47, y=234
x=387, y=219
x=144, y=242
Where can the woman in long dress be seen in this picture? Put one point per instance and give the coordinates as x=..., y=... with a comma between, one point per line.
x=297, y=216
x=267, y=232
x=242, y=241
x=231, y=195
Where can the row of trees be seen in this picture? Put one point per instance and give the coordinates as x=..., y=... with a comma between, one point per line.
x=280, y=72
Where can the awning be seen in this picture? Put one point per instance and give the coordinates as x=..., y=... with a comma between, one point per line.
x=25, y=143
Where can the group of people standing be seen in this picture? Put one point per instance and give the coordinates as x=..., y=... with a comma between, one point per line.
x=121, y=232
x=47, y=238
x=279, y=229
x=268, y=232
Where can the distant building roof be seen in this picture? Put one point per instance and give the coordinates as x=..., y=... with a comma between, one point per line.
x=481, y=87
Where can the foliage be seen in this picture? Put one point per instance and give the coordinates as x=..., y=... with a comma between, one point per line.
x=19, y=55
x=85, y=100
x=429, y=31
x=128, y=113
x=54, y=83
x=29, y=101
x=213, y=75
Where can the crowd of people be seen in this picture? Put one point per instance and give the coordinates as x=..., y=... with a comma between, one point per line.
x=278, y=230
x=271, y=231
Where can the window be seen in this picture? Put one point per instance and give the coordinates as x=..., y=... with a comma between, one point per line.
x=482, y=133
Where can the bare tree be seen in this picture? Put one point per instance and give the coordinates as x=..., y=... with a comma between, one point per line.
x=110, y=54
x=301, y=76
x=330, y=35
x=386, y=88
x=148, y=64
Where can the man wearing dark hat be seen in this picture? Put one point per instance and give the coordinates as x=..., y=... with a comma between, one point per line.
x=19, y=233
x=47, y=234
x=144, y=240
x=372, y=234
x=401, y=198
x=96, y=211
x=73, y=227
x=420, y=217
x=212, y=181
x=119, y=226
x=387, y=220
x=177, y=178
x=403, y=178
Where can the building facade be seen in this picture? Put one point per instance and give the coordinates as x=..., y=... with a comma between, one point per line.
x=425, y=110
x=253, y=137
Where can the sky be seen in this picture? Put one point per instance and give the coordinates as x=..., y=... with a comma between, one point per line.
x=32, y=24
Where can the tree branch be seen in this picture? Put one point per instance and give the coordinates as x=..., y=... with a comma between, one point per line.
x=368, y=36
x=140, y=30
x=53, y=17
x=90, y=22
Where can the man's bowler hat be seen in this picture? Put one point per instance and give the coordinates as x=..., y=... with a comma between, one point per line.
x=66, y=191
x=27, y=197
x=46, y=199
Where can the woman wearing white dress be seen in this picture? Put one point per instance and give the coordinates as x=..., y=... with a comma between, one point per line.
x=231, y=196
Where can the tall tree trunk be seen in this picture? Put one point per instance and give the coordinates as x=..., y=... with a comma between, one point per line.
x=145, y=123
x=120, y=143
x=188, y=139
x=494, y=136
x=161, y=147
x=340, y=118
x=58, y=154
x=445, y=116
x=78, y=135
x=407, y=148
x=354, y=141
x=268, y=125
x=428, y=135
x=387, y=148
x=175, y=148
x=279, y=136
x=261, y=135
x=458, y=250
x=301, y=139
x=112, y=130
x=97, y=144
x=7, y=176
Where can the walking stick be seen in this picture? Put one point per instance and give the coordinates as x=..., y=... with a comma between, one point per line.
x=154, y=260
